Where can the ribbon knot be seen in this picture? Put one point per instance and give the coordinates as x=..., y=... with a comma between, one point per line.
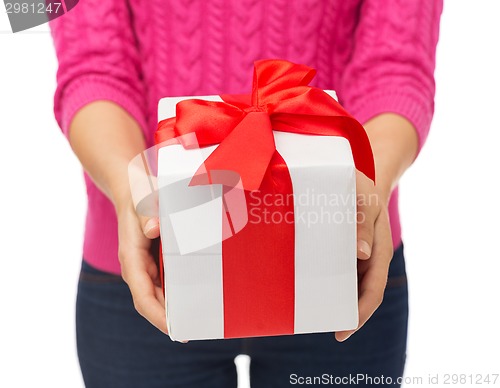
x=281, y=100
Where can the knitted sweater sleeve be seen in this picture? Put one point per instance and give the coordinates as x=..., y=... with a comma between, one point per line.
x=392, y=65
x=98, y=60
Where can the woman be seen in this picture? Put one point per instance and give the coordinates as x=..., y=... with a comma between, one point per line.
x=117, y=58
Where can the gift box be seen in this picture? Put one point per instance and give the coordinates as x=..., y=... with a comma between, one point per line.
x=257, y=204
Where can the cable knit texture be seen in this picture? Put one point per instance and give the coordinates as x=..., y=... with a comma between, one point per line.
x=379, y=55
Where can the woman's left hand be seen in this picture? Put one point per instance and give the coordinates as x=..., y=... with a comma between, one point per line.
x=394, y=143
x=374, y=249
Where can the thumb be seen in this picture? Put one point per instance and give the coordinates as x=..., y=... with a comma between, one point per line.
x=150, y=226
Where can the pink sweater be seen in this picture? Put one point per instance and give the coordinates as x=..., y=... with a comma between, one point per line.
x=379, y=55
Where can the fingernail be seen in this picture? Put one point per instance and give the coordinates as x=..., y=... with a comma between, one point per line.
x=364, y=248
x=150, y=225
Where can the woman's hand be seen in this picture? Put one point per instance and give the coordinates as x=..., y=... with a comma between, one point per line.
x=139, y=269
x=394, y=143
x=106, y=138
x=374, y=249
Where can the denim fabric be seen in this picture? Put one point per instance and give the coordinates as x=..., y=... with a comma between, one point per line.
x=118, y=348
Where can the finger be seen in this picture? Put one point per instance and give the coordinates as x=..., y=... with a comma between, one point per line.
x=148, y=298
x=159, y=296
x=150, y=226
x=367, y=212
x=373, y=284
x=366, y=217
x=341, y=336
x=374, y=281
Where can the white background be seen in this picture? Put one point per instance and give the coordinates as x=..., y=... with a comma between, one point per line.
x=449, y=207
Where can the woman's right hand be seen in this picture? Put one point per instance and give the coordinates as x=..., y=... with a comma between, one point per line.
x=106, y=138
x=139, y=269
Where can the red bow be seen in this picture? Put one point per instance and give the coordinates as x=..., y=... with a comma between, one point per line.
x=281, y=100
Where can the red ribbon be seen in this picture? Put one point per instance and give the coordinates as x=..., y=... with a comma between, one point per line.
x=258, y=262
x=281, y=100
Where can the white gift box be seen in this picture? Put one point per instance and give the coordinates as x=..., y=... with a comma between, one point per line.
x=324, y=297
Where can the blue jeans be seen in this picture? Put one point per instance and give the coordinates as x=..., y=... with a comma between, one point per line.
x=118, y=348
